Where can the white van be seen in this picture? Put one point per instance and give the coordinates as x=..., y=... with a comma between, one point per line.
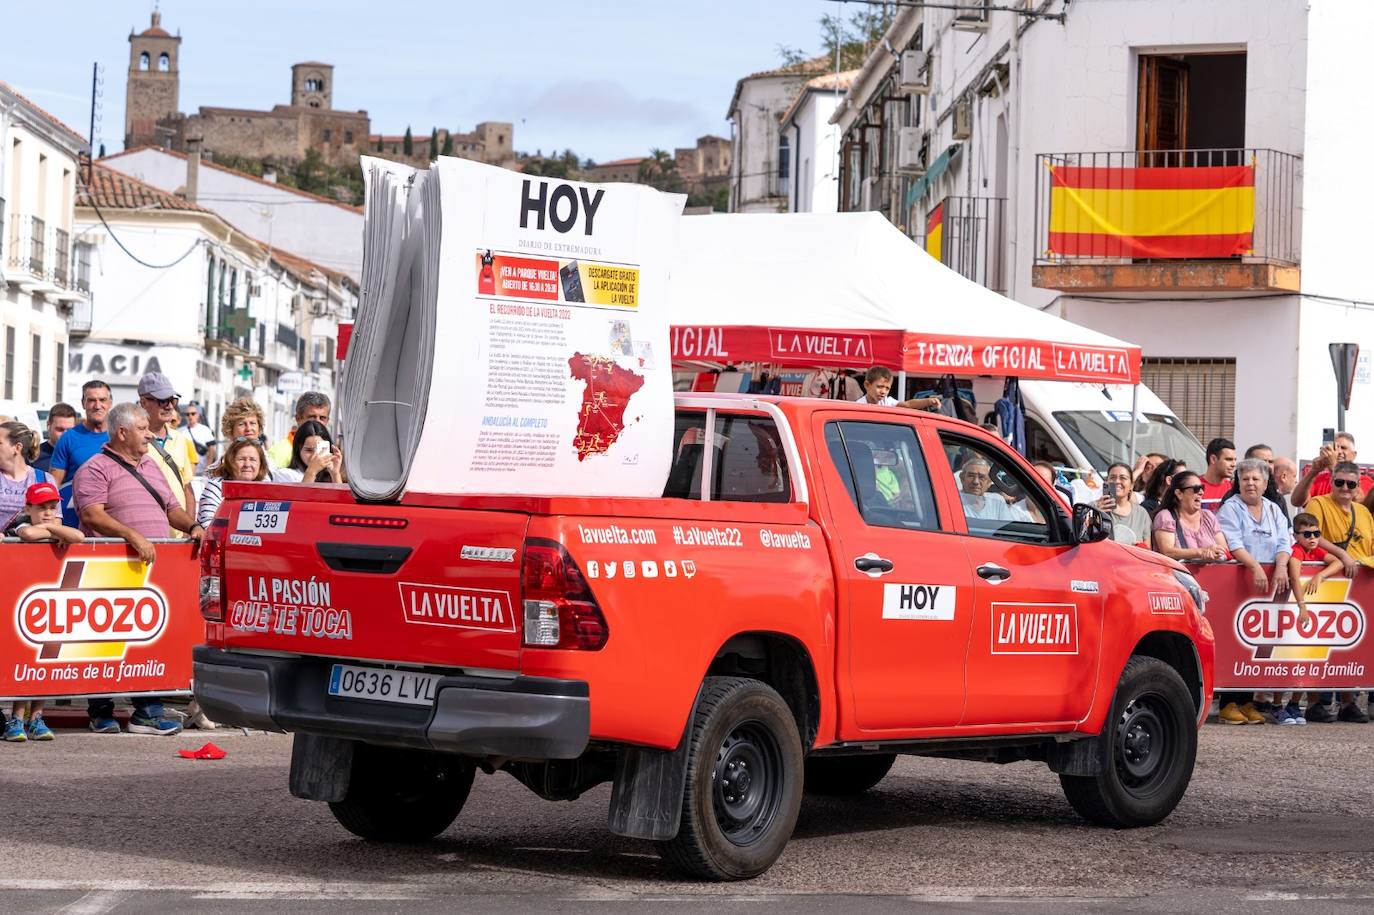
x=1088, y=426
x=31, y=415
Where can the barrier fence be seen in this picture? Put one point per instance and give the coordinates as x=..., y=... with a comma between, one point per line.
x=92, y=620
x=1263, y=644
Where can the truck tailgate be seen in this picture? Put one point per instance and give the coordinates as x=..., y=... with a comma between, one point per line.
x=401, y=584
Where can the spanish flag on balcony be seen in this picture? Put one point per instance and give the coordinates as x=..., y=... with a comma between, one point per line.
x=935, y=230
x=1190, y=212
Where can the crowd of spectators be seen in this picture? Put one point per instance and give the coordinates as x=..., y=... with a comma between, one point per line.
x=143, y=472
x=1289, y=531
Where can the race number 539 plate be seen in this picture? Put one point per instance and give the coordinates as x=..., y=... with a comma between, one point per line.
x=264, y=517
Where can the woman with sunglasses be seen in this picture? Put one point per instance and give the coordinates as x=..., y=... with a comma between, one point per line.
x=1182, y=529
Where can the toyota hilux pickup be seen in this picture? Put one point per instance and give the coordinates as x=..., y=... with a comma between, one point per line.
x=823, y=587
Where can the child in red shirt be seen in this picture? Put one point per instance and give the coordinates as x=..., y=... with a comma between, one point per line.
x=1306, y=533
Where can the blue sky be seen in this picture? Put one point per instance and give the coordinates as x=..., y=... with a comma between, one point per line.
x=608, y=79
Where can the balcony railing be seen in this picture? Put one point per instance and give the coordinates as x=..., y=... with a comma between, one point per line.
x=1168, y=206
x=968, y=235
x=45, y=252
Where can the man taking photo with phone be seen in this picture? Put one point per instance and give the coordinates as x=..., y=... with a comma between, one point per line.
x=1316, y=479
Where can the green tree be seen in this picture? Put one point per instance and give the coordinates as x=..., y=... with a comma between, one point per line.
x=101, y=154
x=408, y=143
x=448, y=145
x=433, y=142
x=855, y=38
x=659, y=171
x=379, y=143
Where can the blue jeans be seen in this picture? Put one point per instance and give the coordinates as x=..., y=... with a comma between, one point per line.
x=144, y=707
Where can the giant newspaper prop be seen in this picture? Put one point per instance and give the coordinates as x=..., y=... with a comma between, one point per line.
x=513, y=336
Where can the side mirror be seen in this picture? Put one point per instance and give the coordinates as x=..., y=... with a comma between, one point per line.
x=1090, y=525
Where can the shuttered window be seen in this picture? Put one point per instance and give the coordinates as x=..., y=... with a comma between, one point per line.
x=1201, y=392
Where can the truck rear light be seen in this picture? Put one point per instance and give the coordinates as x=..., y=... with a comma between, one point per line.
x=368, y=521
x=212, y=597
x=560, y=611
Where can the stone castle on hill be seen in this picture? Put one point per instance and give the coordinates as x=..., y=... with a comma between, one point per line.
x=282, y=135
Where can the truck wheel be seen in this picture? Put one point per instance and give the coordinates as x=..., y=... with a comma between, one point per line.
x=403, y=795
x=743, y=785
x=1150, y=744
x=846, y=775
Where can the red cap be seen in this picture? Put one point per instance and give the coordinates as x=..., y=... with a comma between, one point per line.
x=42, y=494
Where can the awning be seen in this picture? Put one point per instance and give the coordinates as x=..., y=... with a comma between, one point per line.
x=936, y=169
x=850, y=290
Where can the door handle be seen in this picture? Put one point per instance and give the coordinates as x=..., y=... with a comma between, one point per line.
x=872, y=564
x=993, y=573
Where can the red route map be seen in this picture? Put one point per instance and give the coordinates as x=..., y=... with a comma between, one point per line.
x=601, y=418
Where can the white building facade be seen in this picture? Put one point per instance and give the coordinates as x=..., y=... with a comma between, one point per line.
x=972, y=136
x=177, y=289
x=815, y=144
x=321, y=230
x=760, y=151
x=42, y=260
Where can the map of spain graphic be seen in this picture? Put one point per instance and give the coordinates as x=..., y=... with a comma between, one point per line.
x=601, y=417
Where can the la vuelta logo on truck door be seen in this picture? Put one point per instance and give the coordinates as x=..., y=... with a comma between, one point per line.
x=1034, y=628
x=97, y=609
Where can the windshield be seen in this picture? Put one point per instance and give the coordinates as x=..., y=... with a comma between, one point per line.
x=1104, y=436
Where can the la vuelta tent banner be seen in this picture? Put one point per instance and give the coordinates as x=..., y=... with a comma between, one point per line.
x=546, y=350
x=93, y=620
x=851, y=290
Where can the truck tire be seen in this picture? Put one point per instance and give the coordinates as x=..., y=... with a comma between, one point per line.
x=744, y=782
x=403, y=795
x=1149, y=744
x=846, y=775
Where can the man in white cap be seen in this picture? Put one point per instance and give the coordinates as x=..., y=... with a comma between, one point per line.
x=175, y=454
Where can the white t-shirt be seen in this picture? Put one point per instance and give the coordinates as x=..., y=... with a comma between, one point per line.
x=885, y=402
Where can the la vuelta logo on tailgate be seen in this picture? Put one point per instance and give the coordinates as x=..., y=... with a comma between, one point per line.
x=1034, y=629
x=460, y=608
x=1278, y=630
x=97, y=609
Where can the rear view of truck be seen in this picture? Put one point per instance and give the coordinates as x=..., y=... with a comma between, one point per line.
x=313, y=631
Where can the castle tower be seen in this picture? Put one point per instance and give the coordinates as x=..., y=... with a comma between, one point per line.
x=152, y=86
x=312, y=85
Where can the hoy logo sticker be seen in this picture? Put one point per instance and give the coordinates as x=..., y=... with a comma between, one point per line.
x=918, y=602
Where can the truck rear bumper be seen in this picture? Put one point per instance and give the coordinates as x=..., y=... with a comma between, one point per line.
x=521, y=718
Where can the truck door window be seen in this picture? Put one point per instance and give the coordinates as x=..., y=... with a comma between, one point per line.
x=998, y=500
x=749, y=463
x=885, y=473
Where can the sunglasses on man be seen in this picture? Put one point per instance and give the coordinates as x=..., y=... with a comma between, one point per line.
x=1345, y=484
x=164, y=402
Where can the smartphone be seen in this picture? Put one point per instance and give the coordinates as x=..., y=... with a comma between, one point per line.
x=321, y=449
x=1328, y=437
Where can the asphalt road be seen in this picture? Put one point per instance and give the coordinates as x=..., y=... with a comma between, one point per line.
x=1276, y=820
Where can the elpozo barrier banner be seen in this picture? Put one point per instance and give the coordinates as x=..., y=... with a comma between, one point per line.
x=92, y=620
x=1262, y=643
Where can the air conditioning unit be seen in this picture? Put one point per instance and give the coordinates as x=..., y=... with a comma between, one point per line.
x=911, y=151
x=963, y=120
x=972, y=21
x=319, y=309
x=915, y=75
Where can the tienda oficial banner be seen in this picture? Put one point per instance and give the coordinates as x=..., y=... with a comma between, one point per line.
x=92, y=619
x=1263, y=642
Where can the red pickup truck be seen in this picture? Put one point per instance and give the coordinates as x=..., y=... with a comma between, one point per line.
x=822, y=587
